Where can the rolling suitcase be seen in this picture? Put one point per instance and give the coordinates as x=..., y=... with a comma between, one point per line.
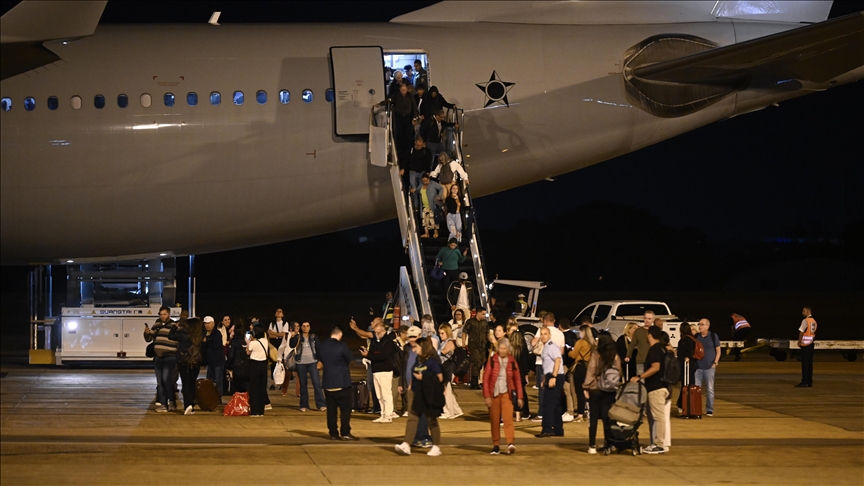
x=206, y=395
x=360, y=394
x=691, y=396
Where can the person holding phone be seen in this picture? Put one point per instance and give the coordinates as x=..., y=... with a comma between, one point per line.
x=306, y=344
x=256, y=349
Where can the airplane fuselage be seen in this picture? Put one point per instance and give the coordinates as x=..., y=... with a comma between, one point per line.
x=109, y=182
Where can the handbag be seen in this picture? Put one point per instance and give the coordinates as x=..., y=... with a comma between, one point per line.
x=279, y=374
x=290, y=360
x=437, y=272
x=150, y=352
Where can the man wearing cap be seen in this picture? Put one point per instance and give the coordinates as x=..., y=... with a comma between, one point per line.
x=422, y=437
x=461, y=294
x=521, y=305
x=214, y=354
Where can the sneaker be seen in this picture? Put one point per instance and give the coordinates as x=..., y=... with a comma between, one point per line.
x=268, y=407
x=405, y=414
x=172, y=406
x=535, y=387
x=434, y=451
x=417, y=443
x=403, y=448
x=322, y=409
x=680, y=411
x=161, y=409
x=579, y=418
x=709, y=414
x=495, y=451
x=304, y=409
x=189, y=410
x=426, y=443
x=537, y=419
x=349, y=437
x=458, y=414
x=158, y=404
x=653, y=449
x=566, y=417
x=592, y=450
x=382, y=420
x=511, y=449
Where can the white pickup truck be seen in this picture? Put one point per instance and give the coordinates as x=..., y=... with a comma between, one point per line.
x=613, y=315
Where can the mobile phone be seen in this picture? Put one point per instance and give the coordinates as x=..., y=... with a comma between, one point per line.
x=248, y=335
x=406, y=318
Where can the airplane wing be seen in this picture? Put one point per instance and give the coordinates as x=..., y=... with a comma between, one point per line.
x=28, y=25
x=674, y=75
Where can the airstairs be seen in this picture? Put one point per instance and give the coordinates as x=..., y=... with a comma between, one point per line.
x=418, y=293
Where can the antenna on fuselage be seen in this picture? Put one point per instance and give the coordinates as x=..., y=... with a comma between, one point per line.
x=214, y=19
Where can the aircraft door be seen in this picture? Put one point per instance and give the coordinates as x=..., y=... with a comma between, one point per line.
x=358, y=82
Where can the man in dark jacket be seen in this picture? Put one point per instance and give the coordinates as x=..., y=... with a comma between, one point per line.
x=380, y=354
x=335, y=356
x=461, y=294
x=431, y=130
x=214, y=353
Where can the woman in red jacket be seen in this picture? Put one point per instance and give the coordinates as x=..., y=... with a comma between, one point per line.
x=501, y=380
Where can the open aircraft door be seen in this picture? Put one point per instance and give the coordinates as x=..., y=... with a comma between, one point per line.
x=358, y=82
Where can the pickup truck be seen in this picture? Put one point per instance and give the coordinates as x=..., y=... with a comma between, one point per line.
x=613, y=315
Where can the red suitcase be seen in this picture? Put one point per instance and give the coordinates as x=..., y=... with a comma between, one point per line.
x=691, y=396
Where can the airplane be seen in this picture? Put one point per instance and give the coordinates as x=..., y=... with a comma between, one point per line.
x=122, y=142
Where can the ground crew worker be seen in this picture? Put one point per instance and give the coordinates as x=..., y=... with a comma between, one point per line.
x=807, y=342
x=740, y=330
x=521, y=305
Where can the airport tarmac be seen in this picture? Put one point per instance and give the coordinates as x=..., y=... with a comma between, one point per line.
x=89, y=426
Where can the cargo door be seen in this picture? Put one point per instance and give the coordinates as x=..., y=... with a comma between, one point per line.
x=358, y=82
x=86, y=337
x=134, y=345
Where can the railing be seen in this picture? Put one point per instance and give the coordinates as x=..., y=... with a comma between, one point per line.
x=407, y=222
x=458, y=116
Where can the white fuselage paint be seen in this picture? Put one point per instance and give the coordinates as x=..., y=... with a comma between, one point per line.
x=106, y=183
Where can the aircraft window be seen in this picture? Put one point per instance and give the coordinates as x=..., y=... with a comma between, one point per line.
x=192, y=98
x=328, y=95
x=238, y=98
x=284, y=97
x=168, y=98
x=53, y=103
x=75, y=101
x=146, y=100
x=6, y=104
x=307, y=95
x=122, y=101
x=215, y=98
x=261, y=97
x=99, y=102
x=29, y=103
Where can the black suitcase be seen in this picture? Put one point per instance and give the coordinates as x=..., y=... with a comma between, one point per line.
x=206, y=395
x=360, y=395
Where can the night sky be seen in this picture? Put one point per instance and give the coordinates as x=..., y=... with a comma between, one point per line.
x=791, y=173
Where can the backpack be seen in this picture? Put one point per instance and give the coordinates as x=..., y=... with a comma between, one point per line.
x=460, y=361
x=446, y=174
x=671, y=370
x=699, y=351
x=609, y=379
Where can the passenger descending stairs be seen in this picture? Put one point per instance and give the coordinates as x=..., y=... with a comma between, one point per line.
x=428, y=296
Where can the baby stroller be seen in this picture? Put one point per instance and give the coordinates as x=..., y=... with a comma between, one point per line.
x=626, y=416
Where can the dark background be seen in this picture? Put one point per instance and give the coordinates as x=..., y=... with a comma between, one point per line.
x=769, y=204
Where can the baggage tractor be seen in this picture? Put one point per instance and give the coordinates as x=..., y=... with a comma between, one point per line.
x=206, y=395
x=691, y=396
x=360, y=394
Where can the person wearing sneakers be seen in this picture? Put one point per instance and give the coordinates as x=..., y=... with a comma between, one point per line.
x=380, y=353
x=165, y=359
x=581, y=354
x=658, y=392
x=189, y=335
x=501, y=381
x=602, y=378
x=427, y=385
x=446, y=350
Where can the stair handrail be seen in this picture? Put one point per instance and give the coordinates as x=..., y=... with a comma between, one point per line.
x=407, y=223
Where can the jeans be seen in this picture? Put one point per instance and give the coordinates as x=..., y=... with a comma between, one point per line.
x=164, y=367
x=217, y=375
x=341, y=401
x=454, y=225
x=435, y=148
x=807, y=364
x=552, y=423
x=305, y=371
x=705, y=379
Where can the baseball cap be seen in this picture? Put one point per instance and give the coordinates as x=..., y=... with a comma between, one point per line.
x=463, y=276
x=208, y=319
x=413, y=331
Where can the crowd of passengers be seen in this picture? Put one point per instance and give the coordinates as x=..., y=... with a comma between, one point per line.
x=413, y=369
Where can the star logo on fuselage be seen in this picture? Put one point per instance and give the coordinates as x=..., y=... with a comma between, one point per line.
x=495, y=90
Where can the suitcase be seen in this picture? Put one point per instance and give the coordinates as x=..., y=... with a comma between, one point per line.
x=360, y=396
x=206, y=395
x=691, y=396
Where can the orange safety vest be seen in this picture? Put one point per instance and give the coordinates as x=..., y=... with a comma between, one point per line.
x=810, y=332
x=740, y=322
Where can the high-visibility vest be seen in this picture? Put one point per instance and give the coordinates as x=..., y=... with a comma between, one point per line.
x=810, y=332
x=741, y=324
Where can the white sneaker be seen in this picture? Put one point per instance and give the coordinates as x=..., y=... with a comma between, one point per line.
x=458, y=414
x=592, y=450
x=189, y=410
x=566, y=417
x=434, y=451
x=404, y=448
x=268, y=407
x=535, y=387
x=394, y=416
x=405, y=414
x=382, y=420
x=158, y=404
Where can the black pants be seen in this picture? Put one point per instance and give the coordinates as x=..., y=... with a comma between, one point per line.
x=807, y=364
x=341, y=400
x=257, y=386
x=552, y=423
x=740, y=335
x=578, y=378
x=601, y=402
x=524, y=377
x=188, y=376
